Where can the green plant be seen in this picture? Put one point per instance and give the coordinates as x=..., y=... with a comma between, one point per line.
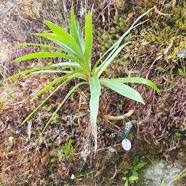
x=131, y=174
x=163, y=183
x=179, y=176
x=76, y=50
x=182, y=72
x=68, y=150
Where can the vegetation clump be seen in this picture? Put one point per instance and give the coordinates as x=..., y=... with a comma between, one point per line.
x=79, y=51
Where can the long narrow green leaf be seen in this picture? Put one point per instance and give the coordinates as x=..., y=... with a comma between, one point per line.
x=47, y=71
x=137, y=80
x=39, y=55
x=57, y=40
x=65, y=38
x=133, y=25
x=88, y=39
x=73, y=25
x=75, y=30
x=111, y=54
x=81, y=40
x=107, y=61
x=112, y=49
x=61, y=104
x=29, y=71
x=95, y=91
x=37, y=70
x=73, y=74
x=40, y=105
x=57, y=80
x=181, y=175
x=122, y=89
x=65, y=48
x=66, y=64
x=163, y=183
x=118, y=42
x=36, y=44
x=51, y=84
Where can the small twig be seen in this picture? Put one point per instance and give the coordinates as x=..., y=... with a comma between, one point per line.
x=115, y=172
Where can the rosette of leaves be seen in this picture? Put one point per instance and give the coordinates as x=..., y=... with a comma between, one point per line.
x=75, y=48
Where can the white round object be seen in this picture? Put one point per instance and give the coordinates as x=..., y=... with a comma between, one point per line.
x=126, y=144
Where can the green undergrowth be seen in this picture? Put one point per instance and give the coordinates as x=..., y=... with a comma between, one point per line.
x=158, y=34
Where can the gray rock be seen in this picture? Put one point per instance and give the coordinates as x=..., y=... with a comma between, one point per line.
x=182, y=53
x=154, y=174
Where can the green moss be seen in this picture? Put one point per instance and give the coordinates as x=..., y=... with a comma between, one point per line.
x=160, y=68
